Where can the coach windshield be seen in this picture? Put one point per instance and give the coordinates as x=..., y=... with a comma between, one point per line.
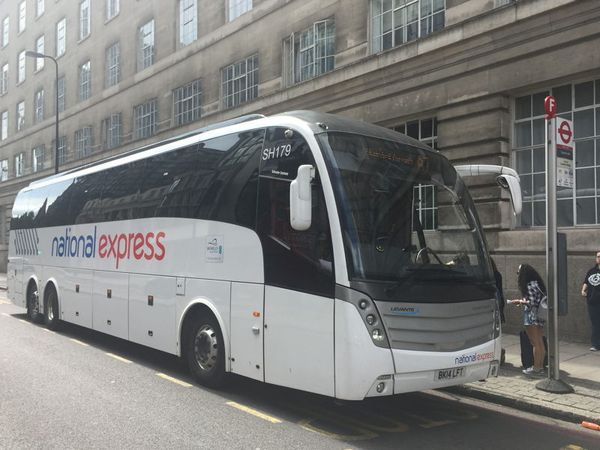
x=406, y=215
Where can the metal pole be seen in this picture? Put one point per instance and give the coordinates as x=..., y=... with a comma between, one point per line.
x=553, y=383
x=56, y=121
x=41, y=55
x=551, y=259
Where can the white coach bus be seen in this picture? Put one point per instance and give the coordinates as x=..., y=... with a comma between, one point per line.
x=304, y=250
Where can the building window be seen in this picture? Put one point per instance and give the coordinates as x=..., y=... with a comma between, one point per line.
x=21, y=64
x=238, y=7
x=61, y=37
x=188, y=21
x=112, y=8
x=38, y=158
x=398, y=22
x=22, y=16
x=4, y=134
x=113, y=64
x=39, y=47
x=4, y=170
x=144, y=119
x=424, y=195
x=20, y=115
x=580, y=206
x=111, y=127
x=146, y=45
x=39, y=8
x=84, y=19
x=62, y=149
x=83, y=142
x=38, y=105
x=4, y=79
x=309, y=53
x=187, y=103
x=61, y=94
x=85, y=81
x=19, y=163
x=240, y=82
x=5, y=31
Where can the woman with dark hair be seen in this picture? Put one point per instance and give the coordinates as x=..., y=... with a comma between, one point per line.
x=533, y=291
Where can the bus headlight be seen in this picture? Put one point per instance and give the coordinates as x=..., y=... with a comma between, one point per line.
x=369, y=314
x=377, y=335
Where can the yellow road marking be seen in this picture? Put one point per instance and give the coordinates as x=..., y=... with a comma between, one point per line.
x=572, y=447
x=48, y=331
x=174, y=380
x=254, y=412
x=3, y=302
x=79, y=342
x=119, y=358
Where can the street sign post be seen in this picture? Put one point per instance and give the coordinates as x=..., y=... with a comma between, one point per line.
x=559, y=161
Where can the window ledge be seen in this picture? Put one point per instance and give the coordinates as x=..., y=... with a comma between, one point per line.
x=112, y=18
x=85, y=38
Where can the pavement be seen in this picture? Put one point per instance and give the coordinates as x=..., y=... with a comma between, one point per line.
x=579, y=368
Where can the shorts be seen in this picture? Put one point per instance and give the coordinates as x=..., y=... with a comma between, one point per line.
x=530, y=317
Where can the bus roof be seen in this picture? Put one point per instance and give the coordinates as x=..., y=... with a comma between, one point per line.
x=318, y=122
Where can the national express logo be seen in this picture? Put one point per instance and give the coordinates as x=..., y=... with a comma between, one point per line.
x=122, y=246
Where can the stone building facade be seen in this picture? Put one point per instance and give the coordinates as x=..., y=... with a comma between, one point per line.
x=466, y=76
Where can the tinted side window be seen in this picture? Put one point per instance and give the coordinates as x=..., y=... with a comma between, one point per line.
x=57, y=204
x=21, y=217
x=299, y=260
x=84, y=202
x=121, y=191
x=233, y=183
x=215, y=180
x=165, y=176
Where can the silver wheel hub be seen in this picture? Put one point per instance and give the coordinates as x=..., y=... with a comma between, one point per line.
x=206, y=347
x=51, y=309
x=34, y=303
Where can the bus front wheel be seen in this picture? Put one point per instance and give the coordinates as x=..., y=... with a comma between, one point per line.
x=205, y=351
x=51, y=311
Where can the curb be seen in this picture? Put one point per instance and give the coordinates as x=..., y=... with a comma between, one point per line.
x=523, y=405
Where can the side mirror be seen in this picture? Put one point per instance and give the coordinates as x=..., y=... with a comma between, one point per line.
x=507, y=179
x=514, y=188
x=301, y=198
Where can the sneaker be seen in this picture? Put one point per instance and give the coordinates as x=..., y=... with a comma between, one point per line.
x=593, y=349
x=532, y=371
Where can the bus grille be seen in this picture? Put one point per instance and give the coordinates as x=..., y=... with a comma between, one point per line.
x=440, y=327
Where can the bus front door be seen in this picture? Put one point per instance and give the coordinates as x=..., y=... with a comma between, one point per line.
x=299, y=281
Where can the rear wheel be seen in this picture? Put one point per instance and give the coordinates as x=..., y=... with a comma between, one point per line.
x=51, y=311
x=33, y=304
x=205, y=351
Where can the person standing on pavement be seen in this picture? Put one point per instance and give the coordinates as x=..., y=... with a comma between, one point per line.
x=533, y=291
x=501, y=300
x=591, y=290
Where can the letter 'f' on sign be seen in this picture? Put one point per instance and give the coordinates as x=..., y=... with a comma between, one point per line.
x=550, y=107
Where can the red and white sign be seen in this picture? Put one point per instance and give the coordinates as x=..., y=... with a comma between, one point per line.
x=564, y=134
x=550, y=107
x=564, y=153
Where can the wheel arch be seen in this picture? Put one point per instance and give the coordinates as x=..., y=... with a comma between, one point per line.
x=32, y=280
x=202, y=306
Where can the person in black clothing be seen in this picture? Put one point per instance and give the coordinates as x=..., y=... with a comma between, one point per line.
x=499, y=291
x=501, y=302
x=591, y=290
